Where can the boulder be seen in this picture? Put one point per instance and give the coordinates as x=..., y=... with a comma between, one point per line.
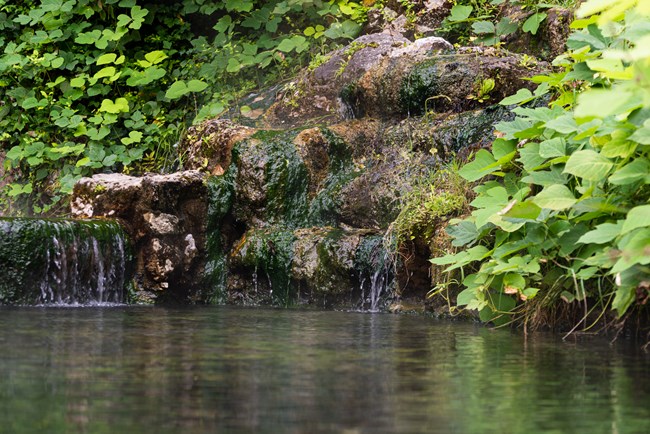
x=165, y=216
x=406, y=84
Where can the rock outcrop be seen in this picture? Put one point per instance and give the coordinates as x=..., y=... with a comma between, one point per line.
x=165, y=217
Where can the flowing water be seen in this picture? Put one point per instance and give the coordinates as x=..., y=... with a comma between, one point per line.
x=61, y=261
x=235, y=370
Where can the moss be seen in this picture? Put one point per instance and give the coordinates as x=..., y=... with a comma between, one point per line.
x=221, y=195
x=444, y=193
x=270, y=251
x=324, y=208
x=423, y=88
x=285, y=176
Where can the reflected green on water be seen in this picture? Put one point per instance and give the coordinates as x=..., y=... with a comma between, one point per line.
x=195, y=370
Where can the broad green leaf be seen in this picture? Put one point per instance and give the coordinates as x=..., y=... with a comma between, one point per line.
x=503, y=150
x=463, y=233
x=513, y=281
x=15, y=153
x=120, y=105
x=642, y=135
x=145, y=77
x=531, y=25
x=618, y=148
x=138, y=14
x=482, y=27
x=286, y=45
x=77, y=82
x=88, y=38
x=552, y=148
x=466, y=296
x=506, y=26
x=555, y=197
x=564, y=124
x=636, y=250
x=529, y=293
x=522, y=96
x=223, y=24
x=637, y=217
x=603, y=233
x=483, y=164
x=546, y=177
x=196, y=86
x=108, y=71
x=632, y=172
x=177, y=90
x=602, y=103
x=155, y=57
x=623, y=298
x=589, y=165
x=529, y=156
x=134, y=137
x=459, y=13
x=105, y=59
x=523, y=211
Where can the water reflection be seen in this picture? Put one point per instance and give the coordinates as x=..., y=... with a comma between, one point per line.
x=134, y=369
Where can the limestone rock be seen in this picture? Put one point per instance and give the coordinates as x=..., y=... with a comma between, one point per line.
x=209, y=145
x=324, y=259
x=165, y=216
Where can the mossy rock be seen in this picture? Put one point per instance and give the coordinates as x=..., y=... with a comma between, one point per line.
x=411, y=85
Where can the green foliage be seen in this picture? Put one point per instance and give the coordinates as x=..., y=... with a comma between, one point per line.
x=562, y=211
x=480, y=21
x=90, y=86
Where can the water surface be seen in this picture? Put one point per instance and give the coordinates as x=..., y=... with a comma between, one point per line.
x=235, y=370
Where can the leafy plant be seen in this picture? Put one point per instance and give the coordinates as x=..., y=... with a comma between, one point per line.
x=488, y=26
x=562, y=213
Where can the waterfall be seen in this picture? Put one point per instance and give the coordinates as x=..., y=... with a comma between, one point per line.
x=374, y=264
x=65, y=262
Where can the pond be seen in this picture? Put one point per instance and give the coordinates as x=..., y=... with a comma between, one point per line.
x=237, y=370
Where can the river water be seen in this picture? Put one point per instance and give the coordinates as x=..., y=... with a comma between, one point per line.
x=236, y=370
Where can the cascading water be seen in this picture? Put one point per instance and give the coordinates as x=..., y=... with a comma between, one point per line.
x=62, y=262
x=375, y=267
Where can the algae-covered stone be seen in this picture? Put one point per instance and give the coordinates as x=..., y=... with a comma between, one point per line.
x=322, y=94
x=323, y=260
x=261, y=264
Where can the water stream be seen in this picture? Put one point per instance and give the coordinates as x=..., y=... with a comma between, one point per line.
x=235, y=370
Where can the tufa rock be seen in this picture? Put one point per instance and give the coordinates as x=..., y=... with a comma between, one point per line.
x=164, y=216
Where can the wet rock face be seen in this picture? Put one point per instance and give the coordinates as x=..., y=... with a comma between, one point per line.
x=324, y=259
x=165, y=215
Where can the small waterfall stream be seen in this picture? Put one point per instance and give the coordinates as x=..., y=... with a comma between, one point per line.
x=375, y=268
x=67, y=262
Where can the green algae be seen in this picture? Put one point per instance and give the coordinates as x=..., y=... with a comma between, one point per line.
x=221, y=196
x=270, y=251
x=324, y=208
x=63, y=261
x=423, y=89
